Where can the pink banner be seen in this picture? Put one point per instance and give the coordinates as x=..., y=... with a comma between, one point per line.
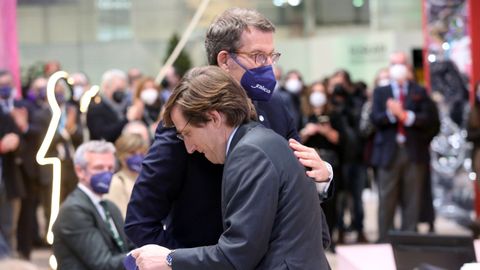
x=8, y=40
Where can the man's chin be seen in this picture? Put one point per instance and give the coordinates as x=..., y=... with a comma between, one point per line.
x=212, y=160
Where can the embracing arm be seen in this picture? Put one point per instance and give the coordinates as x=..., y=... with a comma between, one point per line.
x=155, y=190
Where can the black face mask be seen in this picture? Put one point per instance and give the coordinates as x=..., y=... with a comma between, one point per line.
x=118, y=96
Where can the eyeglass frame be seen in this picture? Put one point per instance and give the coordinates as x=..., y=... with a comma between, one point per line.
x=179, y=133
x=275, y=56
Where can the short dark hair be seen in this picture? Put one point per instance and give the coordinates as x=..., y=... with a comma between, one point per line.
x=208, y=88
x=226, y=30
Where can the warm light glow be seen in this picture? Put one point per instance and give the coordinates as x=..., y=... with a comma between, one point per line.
x=42, y=152
x=87, y=97
x=52, y=261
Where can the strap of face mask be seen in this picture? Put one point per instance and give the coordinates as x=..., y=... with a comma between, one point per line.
x=234, y=57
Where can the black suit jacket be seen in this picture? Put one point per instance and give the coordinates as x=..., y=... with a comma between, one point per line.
x=82, y=239
x=183, y=191
x=103, y=122
x=270, y=209
x=9, y=179
x=417, y=140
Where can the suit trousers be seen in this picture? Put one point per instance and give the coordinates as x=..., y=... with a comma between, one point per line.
x=399, y=184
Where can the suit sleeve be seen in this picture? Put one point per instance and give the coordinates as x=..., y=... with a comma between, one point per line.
x=156, y=188
x=250, y=202
x=81, y=235
x=379, y=115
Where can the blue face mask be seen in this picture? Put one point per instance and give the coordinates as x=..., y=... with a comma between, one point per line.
x=5, y=92
x=134, y=162
x=100, y=182
x=259, y=82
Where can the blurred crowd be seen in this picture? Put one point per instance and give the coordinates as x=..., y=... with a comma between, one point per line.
x=368, y=132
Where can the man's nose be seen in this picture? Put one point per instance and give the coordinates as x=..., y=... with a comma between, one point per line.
x=190, y=146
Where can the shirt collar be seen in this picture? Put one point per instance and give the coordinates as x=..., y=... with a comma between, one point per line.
x=93, y=197
x=230, y=140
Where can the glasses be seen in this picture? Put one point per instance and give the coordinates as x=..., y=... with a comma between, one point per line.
x=262, y=58
x=179, y=134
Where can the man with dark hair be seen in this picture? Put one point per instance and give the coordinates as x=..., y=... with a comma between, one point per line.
x=271, y=214
x=182, y=192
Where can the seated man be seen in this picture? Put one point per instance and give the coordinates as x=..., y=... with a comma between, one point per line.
x=270, y=210
x=88, y=231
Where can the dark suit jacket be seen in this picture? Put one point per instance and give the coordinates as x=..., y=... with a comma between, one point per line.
x=385, y=141
x=83, y=239
x=184, y=191
x=271, y=214
x=10, y=179
x=103, y=122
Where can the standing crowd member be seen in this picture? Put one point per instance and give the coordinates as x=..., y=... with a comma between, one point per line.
x=401, y=115
x=183, y=192
x=271, y=215
x=88, y=231
x=109, y=113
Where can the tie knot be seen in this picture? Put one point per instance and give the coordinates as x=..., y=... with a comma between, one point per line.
x=103, y=203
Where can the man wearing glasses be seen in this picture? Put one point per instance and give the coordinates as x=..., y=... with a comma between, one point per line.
x=176, y=201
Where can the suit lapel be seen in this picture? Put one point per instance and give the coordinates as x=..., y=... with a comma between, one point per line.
x=102, y=226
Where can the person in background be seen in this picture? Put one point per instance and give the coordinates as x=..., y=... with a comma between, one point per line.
x=131, y=149
x=322, y=130
x=88, y=230
x=401, y=115
x=108, y=113
x=10, y=190
x=294, y=87
x=80, y=85
x=137, y=127
x=134, y=75
x=149, y=94
x=172, y=77
x=348, y=98
x=51, y=67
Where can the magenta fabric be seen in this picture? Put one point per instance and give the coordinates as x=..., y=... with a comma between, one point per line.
x=8, y=41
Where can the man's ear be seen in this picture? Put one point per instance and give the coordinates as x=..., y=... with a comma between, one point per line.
x=222, y=59
x=216, y=117
x=80, y=172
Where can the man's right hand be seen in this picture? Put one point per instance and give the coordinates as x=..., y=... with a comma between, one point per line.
x=151, y=257
x=9, y=143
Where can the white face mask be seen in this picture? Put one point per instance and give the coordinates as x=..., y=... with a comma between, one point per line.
x=293, y=86
x=383, y=82
x=399, y=72
x=77, y=92
x=318, y=99
x=149, y=96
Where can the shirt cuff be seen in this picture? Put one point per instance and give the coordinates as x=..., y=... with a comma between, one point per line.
x=322, y=187
x=391, y=117
x=410, y=119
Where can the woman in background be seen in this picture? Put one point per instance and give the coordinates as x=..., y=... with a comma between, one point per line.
x=131, y=149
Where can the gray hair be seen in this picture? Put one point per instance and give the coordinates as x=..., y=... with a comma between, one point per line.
x=98, y=147
x=226, y=30
x=111, y=74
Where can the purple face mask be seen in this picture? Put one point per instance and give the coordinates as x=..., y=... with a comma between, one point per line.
x=134, y=162
x=100, y=182
x=5, y=92
x=259, y=82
